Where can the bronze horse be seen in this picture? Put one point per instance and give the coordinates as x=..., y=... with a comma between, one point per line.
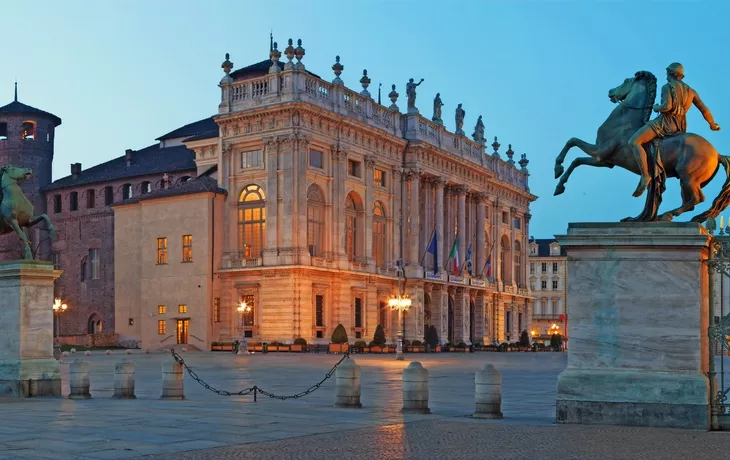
x=16, y=210
x=688, y=157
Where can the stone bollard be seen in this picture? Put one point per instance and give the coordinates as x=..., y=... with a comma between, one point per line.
x=108, y=352
x=488, y=393
x=65, y=354
x=87, y=353
x=347, y=384
x=124, y=380
x=172, y=380
x=73, y=350
x=129, y=352
x=79, y=380
x=415, y=389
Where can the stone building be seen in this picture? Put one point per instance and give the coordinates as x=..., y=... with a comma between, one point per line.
x=548, y=284
x=315, y=204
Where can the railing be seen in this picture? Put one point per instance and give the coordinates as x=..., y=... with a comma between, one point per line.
x=233, y=260
x=546, y=316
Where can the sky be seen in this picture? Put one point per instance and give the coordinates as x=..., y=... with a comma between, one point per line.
x=122, y=72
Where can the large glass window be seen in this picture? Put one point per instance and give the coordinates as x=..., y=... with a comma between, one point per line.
x=251, y=221
x=379, y=233
x=315, y=221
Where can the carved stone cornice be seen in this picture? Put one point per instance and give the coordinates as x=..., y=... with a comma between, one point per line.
x=461, y=190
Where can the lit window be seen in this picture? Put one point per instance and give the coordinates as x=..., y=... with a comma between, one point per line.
x=162, y=327
x=94, y=269
x=316, y=159
x=187, y=245
x=379, y=177
x=182, y=308
x=251, y=221
x=161, y=251
x=28, y=132
x=161, y=309
x=252, y=159
x=379, y=233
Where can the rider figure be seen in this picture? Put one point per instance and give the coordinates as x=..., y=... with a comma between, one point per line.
x=677, y=97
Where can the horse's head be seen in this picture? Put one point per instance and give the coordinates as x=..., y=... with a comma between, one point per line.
x=16, y=174
x=637, y=92
x=620, y=92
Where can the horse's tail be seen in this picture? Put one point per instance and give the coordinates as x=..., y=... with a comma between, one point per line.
x=723, y=199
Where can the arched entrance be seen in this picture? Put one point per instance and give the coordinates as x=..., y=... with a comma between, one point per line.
x=450, y=324
x=94, y=324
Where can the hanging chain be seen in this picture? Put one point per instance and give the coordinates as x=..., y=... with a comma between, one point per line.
x=255, y=389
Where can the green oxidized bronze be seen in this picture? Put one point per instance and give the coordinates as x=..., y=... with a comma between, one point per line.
x=16, y=210
x=655, y=149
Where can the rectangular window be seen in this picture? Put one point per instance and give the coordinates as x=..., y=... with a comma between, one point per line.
x=543, y=267
x=161, y=251
x=56, y=258
x=555, y=285
x=316, y=159
x=90, y=199
x=505, y=217
x=532, y=285
x=57, y=204
x=517, y=223
x=252, y=159
x=319, y=311
x=108, y=195
x=358, y=312
x=3, y=131
x=161, y=309
x=161, y=327
x=94, y=269
x=126, y=191
x=555, y=267
x=353, y=168
x=182, y=308
x=379, y=177
x=532, y=267
x=74, y=201
x=187, y=245
x=543, y=285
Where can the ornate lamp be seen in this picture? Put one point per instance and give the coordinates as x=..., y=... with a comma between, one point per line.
x=401, y=303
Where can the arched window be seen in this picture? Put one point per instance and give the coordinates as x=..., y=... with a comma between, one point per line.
x=251, y=221
x=146, y=187
x=28, y=132
x=94, y=324
x=315, y=221
x=353, y=209
x=518, y=264
x=504, y=260
x=126, y=191
x=378, y=233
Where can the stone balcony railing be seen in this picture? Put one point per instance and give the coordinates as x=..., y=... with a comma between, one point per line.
x=299, y=85
x=233, y=260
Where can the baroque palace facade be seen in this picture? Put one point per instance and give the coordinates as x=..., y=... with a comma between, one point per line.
x=549, y=285
x=315, y=204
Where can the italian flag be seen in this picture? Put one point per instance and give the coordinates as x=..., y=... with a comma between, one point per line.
x=454, y=255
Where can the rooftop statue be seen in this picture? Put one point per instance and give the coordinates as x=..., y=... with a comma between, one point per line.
x=655, y=149
x=16, y=210
x=411, y=93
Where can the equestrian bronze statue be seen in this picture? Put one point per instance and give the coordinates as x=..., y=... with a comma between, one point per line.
x=655, y=149
x=16, y=210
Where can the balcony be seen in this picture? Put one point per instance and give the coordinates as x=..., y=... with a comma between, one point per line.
x=235, y=260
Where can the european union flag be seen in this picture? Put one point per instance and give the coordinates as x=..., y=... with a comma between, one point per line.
x=433, y=249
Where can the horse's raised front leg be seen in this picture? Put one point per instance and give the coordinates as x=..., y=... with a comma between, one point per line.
x=578, y=162
x=572, y=142
x=27, y=253
x=44, y=217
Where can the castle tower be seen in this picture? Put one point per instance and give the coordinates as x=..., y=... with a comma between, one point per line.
x=26, y=141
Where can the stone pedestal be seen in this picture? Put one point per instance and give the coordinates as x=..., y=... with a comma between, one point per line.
x=638, y=308
x=27, y=367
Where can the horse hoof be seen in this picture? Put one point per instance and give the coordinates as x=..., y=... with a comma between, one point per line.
x=666, y=218
x=559, y=171
x=559, y=190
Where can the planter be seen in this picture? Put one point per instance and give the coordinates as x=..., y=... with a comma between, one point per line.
x=437, y=349
x=460, y=350
x=377, y=349
x=257, y=347
x=417, y=349
x=296, y=348
x=338, y=348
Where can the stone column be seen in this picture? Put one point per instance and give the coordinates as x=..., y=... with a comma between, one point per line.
x=289, y=213
x=438, y=184
x=448, y=224
x=428, y=226
x=481, y=239
x=461, y=315
x=368, y=253
x=413, y=240
x=271, y=152
x=405, y=237
x=461, y=193
x=397, y=224
x=302, y=154
x=440, y=311
x=27, y=366
x=338, y=202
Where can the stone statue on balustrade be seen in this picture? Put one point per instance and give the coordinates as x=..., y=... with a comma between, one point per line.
x=16, y=210
x=411, y=93
x=460, y=114
x=478, y=135
x=437, y=104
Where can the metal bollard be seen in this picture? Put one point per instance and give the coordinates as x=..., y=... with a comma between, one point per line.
x=488, y=393
x=415, y=389
x=79, y=380
x=172, y=380
x=124, y=380
x=347, y=384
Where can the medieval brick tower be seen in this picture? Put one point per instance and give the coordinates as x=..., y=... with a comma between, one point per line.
x=26, y=141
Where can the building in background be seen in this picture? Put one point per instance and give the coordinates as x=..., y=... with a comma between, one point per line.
x=548, y=284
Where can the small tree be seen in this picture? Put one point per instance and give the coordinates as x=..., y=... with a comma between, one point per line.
x=524, y=339
x=379, y=337
x=556, y=342
x=339, y=335
x=432, y=337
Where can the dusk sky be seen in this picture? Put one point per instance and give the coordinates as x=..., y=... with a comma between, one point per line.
x=121, y=73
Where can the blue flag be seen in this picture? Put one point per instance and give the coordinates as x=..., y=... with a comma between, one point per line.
x=468, y=261
x=433, y=249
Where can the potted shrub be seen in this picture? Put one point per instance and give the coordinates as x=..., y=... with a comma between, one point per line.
x=446, y=347
x=416, y=347
x=299, y=345
x=339, y=340
x=378, y=343
x=461, y=346
x=432, y=338
x=359, y=346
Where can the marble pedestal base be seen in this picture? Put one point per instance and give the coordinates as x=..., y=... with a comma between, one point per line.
x=637, y=310
x=27, y=367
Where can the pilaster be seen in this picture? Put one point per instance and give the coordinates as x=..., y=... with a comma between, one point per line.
x=438, y=185
x=369, y=165
x=414, y=270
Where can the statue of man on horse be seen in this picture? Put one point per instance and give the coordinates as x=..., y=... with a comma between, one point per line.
x=16, y=211
x=676, y=99
x=623, y=138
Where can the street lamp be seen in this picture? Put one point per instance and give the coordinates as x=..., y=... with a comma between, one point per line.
x=58, y=308
x=400, y=303
x=243, y=309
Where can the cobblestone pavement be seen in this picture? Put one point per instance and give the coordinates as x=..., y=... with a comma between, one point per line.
x=481, y=440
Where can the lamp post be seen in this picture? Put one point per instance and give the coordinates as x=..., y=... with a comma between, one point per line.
x=58, y=308
x=400, y=303
x=243, y=309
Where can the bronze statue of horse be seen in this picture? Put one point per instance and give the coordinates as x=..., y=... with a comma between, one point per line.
x=16, y=210
x=688, y=157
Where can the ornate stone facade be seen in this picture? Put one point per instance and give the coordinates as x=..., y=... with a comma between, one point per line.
x=332, y=203
x=549, y=285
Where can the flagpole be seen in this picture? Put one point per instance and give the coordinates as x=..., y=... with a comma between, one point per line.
x=446, y=264
x=461, y=269
x=486, y=259
x=427, y=246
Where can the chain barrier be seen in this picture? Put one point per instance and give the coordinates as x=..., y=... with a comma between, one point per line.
x=255, y=389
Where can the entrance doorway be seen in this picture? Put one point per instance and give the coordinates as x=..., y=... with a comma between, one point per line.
x=182, y=331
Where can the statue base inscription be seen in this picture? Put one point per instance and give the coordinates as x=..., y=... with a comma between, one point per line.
x=27, y=367
x=637, y=309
